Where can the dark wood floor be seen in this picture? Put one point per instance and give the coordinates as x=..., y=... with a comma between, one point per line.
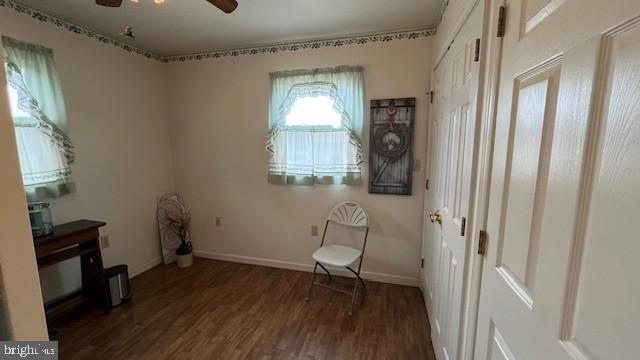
x=221, y=310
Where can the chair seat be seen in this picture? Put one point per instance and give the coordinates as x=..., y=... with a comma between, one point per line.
x=336, y=255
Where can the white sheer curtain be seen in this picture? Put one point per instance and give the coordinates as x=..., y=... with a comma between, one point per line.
x=316, y=154
x=39, y=117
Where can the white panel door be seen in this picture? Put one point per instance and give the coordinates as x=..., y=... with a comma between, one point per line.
x=451, y=170
x=560, y=276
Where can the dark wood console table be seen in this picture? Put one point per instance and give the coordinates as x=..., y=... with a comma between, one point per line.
x=79, y=238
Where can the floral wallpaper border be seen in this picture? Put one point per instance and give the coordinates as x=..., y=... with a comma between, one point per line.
x=303, y=45
x=257, y=50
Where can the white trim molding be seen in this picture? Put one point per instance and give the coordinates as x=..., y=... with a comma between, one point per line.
x=378, y=277
x=39, y=15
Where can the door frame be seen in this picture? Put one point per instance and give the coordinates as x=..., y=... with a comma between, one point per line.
x=422, y=278
x=489, y=82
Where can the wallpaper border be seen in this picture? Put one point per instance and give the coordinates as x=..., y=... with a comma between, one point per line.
x=214, y=54
x=304, y=45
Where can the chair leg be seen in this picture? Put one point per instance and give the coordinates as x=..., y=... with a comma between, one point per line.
x=357, y=275
x=327, y=271
x=353, y=296
x=362, y=282
x=313, y=278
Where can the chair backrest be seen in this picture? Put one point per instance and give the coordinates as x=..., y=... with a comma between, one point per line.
x=349, y=213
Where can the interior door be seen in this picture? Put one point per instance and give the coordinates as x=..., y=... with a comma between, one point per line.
x=453, y=128
x=560, y=276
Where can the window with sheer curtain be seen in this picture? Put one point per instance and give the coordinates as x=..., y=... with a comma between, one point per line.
x=39, y=117
x=315, y=126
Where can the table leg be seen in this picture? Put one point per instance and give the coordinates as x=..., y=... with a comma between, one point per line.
x=94, y=285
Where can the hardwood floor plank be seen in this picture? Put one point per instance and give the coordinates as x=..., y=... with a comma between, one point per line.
x=221, y=310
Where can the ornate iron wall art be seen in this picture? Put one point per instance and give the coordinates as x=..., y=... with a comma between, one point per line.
x=391, y=146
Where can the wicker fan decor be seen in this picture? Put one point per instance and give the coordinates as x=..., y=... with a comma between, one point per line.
x=170, y=211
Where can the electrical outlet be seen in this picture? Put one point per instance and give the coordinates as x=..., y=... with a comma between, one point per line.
x=417, y=165
x=314, y=230
x=218, y=221
x=104, y=241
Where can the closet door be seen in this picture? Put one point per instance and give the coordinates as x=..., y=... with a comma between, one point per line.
x=560, y=276
x=453, y=125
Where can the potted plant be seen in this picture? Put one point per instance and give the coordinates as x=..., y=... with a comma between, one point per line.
x=179, y=224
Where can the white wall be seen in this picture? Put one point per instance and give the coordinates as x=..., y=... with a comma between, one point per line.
x=117, y=110
x=219, y=111
x=20, y=300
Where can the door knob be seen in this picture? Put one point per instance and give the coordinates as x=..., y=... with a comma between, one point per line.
x=434, y=216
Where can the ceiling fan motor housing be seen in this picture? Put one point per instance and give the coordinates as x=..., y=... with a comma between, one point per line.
x=228, y=6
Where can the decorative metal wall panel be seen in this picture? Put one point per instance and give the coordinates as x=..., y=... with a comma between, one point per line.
x=391, y=146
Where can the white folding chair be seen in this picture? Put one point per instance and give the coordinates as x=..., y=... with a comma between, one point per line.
x=350, y=214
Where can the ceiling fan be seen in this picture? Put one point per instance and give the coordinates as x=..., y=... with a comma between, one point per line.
x=225, y=5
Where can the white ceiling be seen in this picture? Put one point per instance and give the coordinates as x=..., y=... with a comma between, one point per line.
x=190, y=26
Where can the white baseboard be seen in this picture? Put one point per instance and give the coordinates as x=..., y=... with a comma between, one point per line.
x=144, y=267
x=380, y=277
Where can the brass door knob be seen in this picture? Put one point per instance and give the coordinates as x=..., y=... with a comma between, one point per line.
x=434, y=216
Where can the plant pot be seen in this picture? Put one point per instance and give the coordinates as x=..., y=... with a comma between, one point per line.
x=184, y=261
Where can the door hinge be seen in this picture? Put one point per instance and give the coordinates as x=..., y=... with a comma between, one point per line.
x=476, y=56
x=426, y=184
x=421, y=263
x=463, y=226
x=482, y=243
x=502, y=21
x=431, y=96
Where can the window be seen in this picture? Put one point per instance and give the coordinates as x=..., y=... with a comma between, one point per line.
x=39, y=157
x=315, y=127
x=314, y=111
x=16, y=112
x=38, y=113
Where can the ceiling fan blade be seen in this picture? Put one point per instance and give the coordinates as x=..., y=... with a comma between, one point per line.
x=225, y=5
x=109, y=3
